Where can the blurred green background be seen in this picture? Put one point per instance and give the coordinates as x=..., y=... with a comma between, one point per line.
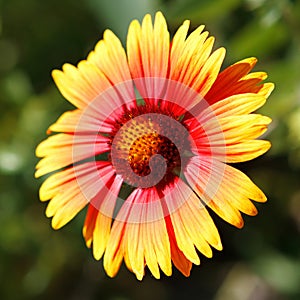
x=261, y=261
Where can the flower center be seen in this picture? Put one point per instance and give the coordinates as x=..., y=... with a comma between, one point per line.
x=149, y=148
x=148, y=145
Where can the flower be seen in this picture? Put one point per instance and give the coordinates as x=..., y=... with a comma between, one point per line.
x=147, y=147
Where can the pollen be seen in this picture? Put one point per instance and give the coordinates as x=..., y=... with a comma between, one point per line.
x=147, y=149
x=146, y=146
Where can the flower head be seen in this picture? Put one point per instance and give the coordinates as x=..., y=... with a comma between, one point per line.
x=147, y=147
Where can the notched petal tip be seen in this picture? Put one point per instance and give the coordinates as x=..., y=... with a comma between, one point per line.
x=55, y=224
x=250, y=60
x=218, y=246
x=139, y=276
x=97, y=254
x=44, y=194
x=186, y=272
x=259, y=196
x=239, y=223
x=57, y=221
x=55, y=74
x=267, y=89
x=40, y=150
x=266, y=146
x=222, y=53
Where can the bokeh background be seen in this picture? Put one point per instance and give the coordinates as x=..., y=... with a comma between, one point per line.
x=261, y=261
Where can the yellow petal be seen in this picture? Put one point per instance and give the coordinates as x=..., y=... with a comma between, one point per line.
x=74, y=204
x=110, y=57
x=148, y=55
x=225, y=84
x=266, y=89
x=236, y=105
x=71, y=189
x=80, y=85
x=230, y=130
x=210, y=71
x=244, y=151
x=103, y=222
x=224, y=189
x=62, y=150
x=114, y=253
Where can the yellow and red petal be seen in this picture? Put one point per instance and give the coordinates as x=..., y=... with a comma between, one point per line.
x=71, y=190
x=192, y=63
x=236, y=79
x=139, y=235
x=231, y=130
x=224, y=189
x=77, y=122
x=61, y=150
x=106, y=68
x=229, y=138
x=178, y=258
x=191, y=222
x=187, y=51
x=110, y=57
x=228, y=78
x=97, y=225
x=148, y=55
x=235, y=105
x=80, y=85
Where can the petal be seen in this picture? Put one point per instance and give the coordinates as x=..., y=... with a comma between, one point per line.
x=178, y=41
x=148, y=55
x=110, y=57
x=139, y=233
x=67, y=122
x=191, y=222
x=243, y=151
x=234, y=153
x=52, y=185
x=191, y=61
x=157, y=245
x=236, y=80
x=178, y=258
x=183, y=240
x=229, y=130
x=87, y=122
x=236, y=129
x=62, y=150
x=194, y=52
x=224, y=189
x=228, y=78
x=105, y=68
x=114, y=252
x=183, y=47
x=98, y=220
x=236, y=105
x=210, y=71
x=209, y=188
x=70, y=190
x=192, y=69
x=80, y=85
x=265, y=89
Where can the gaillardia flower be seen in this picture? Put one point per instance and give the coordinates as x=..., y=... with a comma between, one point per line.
x=148, y=145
